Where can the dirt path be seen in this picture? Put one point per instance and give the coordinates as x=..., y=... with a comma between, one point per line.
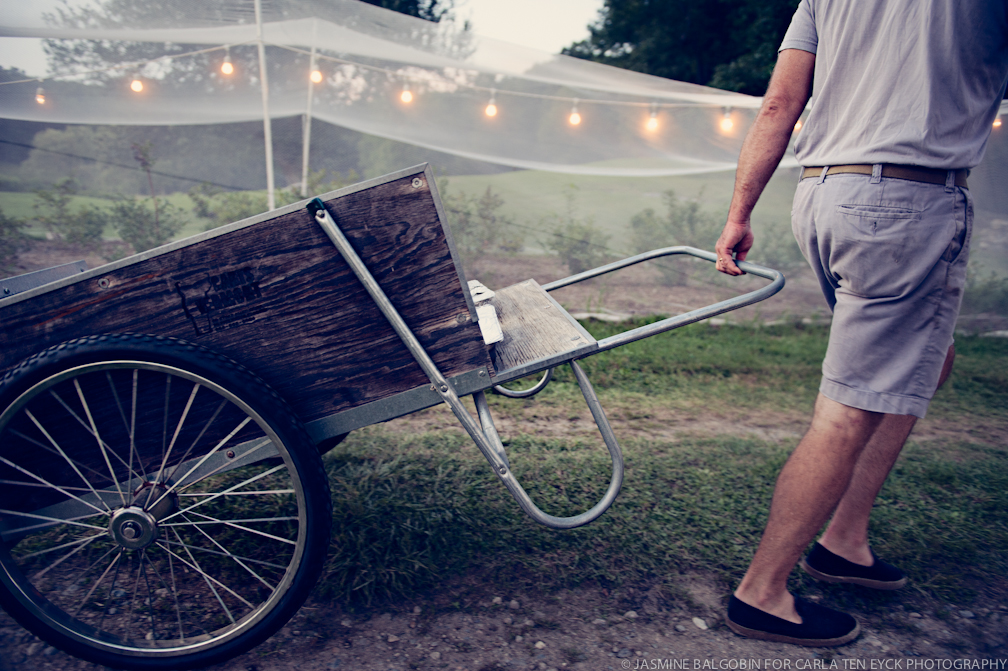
x=463, y=627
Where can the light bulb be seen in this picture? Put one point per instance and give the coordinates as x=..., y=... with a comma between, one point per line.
x=652, y=122
x=997, y=122
x=136, y=85
x=227, y=68
x=491, y=109
x=316, y=76
x=797, y=125
x=726, y=123
x=40, y=96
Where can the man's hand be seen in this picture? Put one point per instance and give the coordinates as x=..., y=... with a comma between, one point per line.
x=736, y=239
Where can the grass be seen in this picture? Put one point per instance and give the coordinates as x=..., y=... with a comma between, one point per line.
x=412, y=510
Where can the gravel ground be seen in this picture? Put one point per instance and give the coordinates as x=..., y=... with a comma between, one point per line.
x=460, y=626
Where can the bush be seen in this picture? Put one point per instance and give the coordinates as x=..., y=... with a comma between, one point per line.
x=578, y=242
x=684, y=223
x=11, y=240
x=988, y=293
x=146, y=227
x=479, y=227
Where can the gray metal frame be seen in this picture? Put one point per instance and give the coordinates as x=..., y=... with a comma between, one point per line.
x=484, y=433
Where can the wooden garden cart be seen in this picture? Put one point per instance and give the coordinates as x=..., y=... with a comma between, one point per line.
x=162, y=498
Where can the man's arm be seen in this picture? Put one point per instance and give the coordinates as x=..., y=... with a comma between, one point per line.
x=765, y=144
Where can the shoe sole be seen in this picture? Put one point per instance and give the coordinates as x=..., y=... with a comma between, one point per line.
x=853, y=580
x=780, y=638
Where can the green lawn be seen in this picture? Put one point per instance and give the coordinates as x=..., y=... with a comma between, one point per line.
x=412, y=509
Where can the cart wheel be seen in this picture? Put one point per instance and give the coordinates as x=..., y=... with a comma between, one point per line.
x=160, y=506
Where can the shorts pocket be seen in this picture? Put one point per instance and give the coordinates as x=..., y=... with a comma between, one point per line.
x=883, y=251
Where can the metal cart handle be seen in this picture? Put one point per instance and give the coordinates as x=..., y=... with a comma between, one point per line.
x=641, y=332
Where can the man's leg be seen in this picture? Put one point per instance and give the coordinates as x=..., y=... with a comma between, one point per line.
x=847, y=533
x=811, y=483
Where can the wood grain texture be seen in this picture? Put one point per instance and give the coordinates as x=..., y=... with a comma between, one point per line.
x=278, y=298
x=535, y=328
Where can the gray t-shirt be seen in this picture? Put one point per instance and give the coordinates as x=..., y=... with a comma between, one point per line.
x=913, y=82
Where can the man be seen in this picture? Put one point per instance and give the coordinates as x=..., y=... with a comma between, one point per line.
x=904, y=93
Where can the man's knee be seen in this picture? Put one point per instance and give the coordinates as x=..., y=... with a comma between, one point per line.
x=845, y=423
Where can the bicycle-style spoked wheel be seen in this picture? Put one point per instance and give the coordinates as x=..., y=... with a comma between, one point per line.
x=160, y=506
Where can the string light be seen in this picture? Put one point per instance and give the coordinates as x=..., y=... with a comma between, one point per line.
x=136, y=85
x=997, y=121
x=406, y=96
x=491, y=108
x=726, y=121
x=226, y=67
x=574, y=117
x=40, y=96
x=797, y=125
x=652, y=122
x=316, y=76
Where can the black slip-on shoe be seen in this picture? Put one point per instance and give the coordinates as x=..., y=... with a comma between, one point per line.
x=824, y=565
x=820, y=627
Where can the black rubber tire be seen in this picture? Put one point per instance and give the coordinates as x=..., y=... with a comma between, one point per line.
x=298, y=454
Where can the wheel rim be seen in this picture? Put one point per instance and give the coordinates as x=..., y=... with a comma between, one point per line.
x=145, y=509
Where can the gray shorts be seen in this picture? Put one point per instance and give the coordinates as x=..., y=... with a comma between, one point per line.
x=890, y=256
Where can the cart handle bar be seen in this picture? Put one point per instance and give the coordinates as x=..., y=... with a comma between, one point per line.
x=483, y=434
x=641, y=332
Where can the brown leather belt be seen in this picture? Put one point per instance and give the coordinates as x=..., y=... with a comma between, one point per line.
x=908, y=172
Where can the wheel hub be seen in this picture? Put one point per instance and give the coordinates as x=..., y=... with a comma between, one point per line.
x=133, y=527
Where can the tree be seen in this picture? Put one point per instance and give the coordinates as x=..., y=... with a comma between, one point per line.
x=730, y=44
x=429, y=10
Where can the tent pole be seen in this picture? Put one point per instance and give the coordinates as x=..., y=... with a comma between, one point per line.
x=267, y=127
x=306, y=126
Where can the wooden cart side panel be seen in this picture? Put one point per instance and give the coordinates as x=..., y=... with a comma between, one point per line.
x=277, y=297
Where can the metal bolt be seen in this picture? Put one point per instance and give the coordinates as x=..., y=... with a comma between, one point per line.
x=417, y=182
x=104, y=283
x=230, y=454
x=6, y=290
x=444, y=388
x=482, y=373
x=130, y=530
x=502, y=470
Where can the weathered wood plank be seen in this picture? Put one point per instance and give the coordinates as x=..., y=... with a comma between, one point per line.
x=537, y=331
x=277, y=297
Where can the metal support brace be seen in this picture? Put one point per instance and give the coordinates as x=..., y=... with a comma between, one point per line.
x=491, y=448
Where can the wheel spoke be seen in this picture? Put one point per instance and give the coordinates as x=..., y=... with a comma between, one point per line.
x=52, y=486
x=258, y=492
x=188, y=451
x=86, y=539
x=88, y=429
x=241, y=484
x=71, y=521
x=171, y=446
x=206, y=577
x=214, y=520
x=49, y=449
x=215, y=552
x=108, y=597
x=236, y=559
x=174, y=589
x=64, y=455
x=101, y=443
x=223, y=467
x=99, y=581
x=62, y=559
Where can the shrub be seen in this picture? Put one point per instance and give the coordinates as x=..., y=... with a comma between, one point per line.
x=684, y=223
x=11, y=240
x=578, y=242
x=480, y=228
x=146, y=227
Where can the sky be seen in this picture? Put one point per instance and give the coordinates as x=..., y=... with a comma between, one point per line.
x=549, y=25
